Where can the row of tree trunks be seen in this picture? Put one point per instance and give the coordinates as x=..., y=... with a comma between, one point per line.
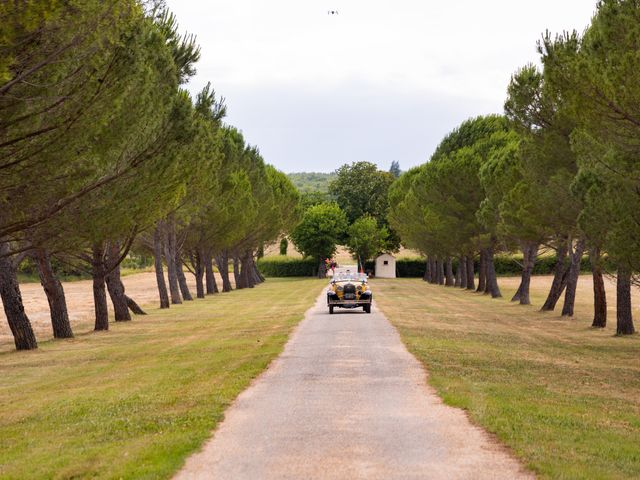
x=427, y=271
x=55, y=295
x=19, y=323
x=457, y=282
x=599, y=292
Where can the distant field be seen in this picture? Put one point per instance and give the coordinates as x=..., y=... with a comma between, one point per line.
x=136, y=401
x=308, y=182
x=564, y=397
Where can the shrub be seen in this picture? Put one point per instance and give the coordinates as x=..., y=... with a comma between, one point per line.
x=282, y=266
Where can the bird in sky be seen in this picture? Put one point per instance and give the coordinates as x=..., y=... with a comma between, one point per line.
x=332, y=12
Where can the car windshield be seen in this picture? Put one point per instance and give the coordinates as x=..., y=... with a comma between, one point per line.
x=350, y=277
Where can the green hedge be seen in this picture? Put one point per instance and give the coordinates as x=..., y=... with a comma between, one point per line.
x=506, y=265
x=281, y=266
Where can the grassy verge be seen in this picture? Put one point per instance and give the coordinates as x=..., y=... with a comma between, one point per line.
x=136, y=401
x=564, y=397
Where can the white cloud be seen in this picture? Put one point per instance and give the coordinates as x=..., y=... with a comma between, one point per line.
x=378, y=66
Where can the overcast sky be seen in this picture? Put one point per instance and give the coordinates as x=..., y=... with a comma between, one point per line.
x=380, y=81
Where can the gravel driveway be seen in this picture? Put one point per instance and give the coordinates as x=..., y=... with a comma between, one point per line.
x=346, y=400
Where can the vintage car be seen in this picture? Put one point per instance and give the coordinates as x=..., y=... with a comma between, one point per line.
x=349, y=290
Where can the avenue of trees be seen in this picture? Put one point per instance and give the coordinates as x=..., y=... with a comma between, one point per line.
x=559, y=170
x=102, y=151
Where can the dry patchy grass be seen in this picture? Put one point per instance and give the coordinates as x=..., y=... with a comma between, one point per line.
x=563, y=396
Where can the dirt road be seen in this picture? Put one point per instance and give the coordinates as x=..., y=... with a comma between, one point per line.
x=347, y=400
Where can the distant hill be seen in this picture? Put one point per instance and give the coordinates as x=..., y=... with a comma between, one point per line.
x=311, y=181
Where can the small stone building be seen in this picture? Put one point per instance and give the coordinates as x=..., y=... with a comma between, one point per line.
x=386, y=266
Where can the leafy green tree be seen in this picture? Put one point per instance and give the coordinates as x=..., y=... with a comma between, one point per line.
x=319, y=232
x=395, y=169
x=360, y=189
x=366, y=239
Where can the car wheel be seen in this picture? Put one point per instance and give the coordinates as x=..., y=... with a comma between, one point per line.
x=330, y=309
x=367, y=308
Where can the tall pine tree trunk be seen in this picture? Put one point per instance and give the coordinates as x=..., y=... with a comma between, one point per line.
x=572, y=279
x=182, y=279
x=470, y=274
x=116, y=288
x=427, y=270
x=223, y=266
x=246, y=273
x=440, y=271
x=259, y=278
x=599, y=292
x=209, y=274
x=322, y=268
x=462, y=267
x=482, y=272
x=236, y=272
x=458, y=278
x=530, y=254
x=624, y=311
x=199, y=268
x=527, y=271
x=490, y=272
x=170, y=248
x=98, y=272
x=559, y=279
x=449, y=273
x=19, y=323
x=157, y=265
x=434, y=271
x=55, y=295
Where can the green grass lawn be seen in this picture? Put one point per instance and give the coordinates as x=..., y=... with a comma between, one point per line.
x=564, y=397
x=134, y=402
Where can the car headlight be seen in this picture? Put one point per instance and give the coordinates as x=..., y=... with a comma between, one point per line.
x=339, y=288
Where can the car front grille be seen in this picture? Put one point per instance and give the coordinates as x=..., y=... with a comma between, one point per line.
x=349, y=288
